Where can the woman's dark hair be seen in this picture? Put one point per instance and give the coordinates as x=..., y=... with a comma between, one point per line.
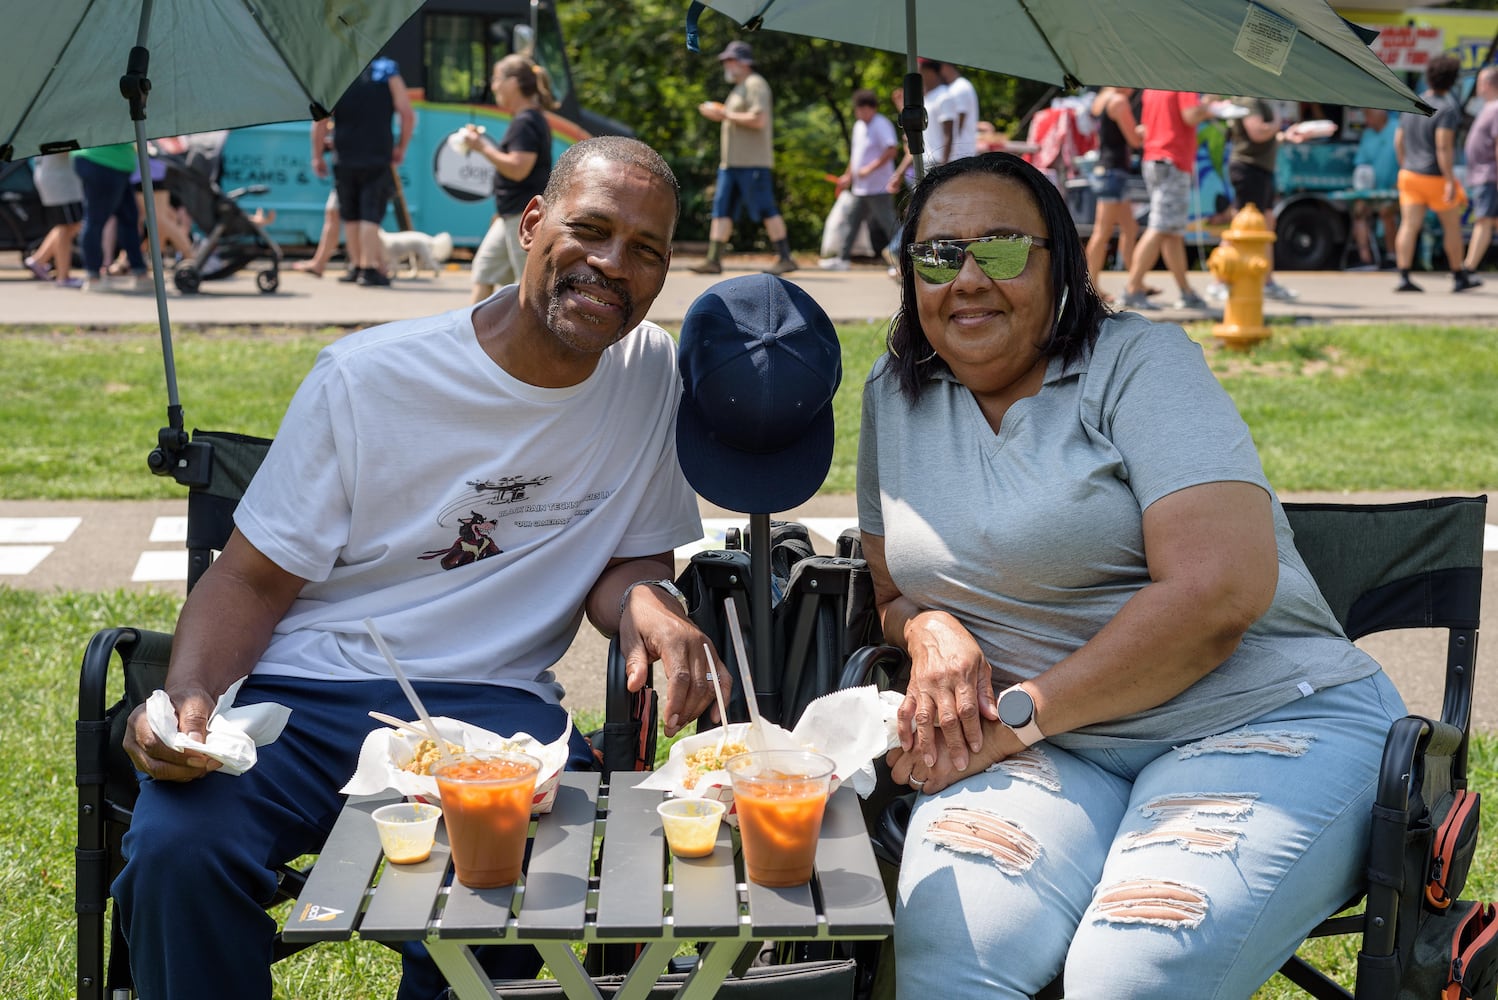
x=1442, y=71
x=1073, y=332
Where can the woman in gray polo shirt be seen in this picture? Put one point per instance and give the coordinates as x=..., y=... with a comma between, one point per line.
x=1147, y=750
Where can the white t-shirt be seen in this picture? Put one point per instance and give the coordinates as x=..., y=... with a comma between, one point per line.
x=415, y=482
x=870, y=141
x=962, y=108
x=934, y=136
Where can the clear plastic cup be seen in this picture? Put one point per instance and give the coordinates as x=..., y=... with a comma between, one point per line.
x=407, y=830
x=780, y=796
x=691, y=825
x=486, y=799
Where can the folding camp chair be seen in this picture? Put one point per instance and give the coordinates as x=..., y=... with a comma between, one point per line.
x=1380, y=567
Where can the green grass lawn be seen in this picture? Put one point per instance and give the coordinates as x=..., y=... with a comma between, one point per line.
x=1332, y=408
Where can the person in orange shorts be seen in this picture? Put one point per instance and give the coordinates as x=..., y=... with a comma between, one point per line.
x=1427, y=180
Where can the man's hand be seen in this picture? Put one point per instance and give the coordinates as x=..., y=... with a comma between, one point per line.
x=150, y=755
x=652, y=628
x=320, y=166
x=713, y=111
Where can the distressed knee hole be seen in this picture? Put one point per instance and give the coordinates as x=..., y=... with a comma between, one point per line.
x=973, y=831
x=1159, y=902
x=1194, y=822
x=1033, y=766
x=1275, y=742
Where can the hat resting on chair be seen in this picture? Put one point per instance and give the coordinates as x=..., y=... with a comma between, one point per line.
x=760, y=363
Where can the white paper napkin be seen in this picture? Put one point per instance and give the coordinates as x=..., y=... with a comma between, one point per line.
x=386, y=750
x=233, y=733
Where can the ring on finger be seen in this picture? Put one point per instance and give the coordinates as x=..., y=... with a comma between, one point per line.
x=916, y=783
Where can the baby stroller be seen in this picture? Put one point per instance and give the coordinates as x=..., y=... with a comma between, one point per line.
x=231, y=239
x=23, y=222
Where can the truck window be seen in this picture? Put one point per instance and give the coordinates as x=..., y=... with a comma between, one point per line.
x=456, y=58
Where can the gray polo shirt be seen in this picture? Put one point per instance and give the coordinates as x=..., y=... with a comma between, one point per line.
x=1033, y=537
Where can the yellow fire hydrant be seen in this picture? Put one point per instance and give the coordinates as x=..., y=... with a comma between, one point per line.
x=1241, y=262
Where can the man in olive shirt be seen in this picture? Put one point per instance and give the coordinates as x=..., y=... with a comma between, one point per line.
x=745, y=162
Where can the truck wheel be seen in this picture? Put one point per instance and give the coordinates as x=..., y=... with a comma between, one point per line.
x=1310, y=237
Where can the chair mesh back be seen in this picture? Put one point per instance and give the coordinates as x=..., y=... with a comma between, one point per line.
x=210, y=509
x=1386, y=566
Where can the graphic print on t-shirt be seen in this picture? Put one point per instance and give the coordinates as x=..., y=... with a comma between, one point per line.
x=476, y=529
x=473, y=543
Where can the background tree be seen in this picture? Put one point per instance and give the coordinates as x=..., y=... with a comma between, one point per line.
x=630, y=62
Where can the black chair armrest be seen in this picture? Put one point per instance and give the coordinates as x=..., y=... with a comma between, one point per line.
x=862, y=666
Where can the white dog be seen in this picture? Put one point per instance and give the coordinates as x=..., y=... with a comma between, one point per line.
x=415, y=251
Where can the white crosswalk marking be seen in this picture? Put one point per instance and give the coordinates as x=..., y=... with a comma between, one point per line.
x=169, y=529
x=1490, y=538
x=18, y=560
x=38, y=529
x=157, y=566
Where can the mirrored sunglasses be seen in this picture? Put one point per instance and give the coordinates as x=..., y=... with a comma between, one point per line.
x=999, y=257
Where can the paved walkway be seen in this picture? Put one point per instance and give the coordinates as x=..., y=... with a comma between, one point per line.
x=864, y=293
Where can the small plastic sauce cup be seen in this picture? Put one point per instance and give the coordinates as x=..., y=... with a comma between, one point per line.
x=691, y=825
x=407, y=830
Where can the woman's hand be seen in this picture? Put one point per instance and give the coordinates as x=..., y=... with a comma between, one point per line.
x=950, y=691
x=907, y=768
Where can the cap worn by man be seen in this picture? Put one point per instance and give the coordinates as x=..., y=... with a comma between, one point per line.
x=737, y=50
x=760, y=362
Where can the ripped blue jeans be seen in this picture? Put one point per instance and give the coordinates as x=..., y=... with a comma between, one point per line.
x=1157, y=870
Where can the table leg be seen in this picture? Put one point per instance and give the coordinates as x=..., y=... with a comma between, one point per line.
x=715, y=962
x=646, y=970
x=568, y=971
x=467, y=978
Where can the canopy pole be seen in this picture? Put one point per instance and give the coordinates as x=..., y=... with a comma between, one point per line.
x=913, y=118
x=761, y=609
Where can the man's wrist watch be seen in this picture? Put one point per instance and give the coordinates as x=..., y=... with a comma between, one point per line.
x=665, y=585
x=1017, y=711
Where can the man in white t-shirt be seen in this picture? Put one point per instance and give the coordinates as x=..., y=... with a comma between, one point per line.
x=474, y=483
x=935, y=101
x=961, y=113
x=871, y=166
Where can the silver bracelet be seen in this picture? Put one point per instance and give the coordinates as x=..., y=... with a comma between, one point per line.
x=665, y=585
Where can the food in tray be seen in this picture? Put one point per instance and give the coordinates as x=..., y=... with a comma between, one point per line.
x=1228, y=110
x=1319, y=128
x=426, y=755
x=710, y=758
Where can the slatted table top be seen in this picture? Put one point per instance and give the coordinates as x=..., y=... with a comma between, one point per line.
x=641, y=894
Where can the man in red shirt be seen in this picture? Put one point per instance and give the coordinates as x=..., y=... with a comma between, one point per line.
x=1169, y=156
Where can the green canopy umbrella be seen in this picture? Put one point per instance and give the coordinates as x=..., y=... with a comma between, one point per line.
x=70, y=79
x=1280, y=49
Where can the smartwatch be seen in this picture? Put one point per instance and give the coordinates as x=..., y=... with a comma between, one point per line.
x=1017, y=711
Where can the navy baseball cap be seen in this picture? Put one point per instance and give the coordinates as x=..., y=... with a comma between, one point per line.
x=738, y=50
x=760, y=362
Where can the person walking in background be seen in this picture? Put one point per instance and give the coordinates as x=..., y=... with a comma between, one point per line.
x=522, y=166
x=107, y=194
x=746, y=161
x=1376, y=164
x=1119, y=134
x=1255, y=142
x=870, y=169
x=962, y=106
x=1427, y=177
x=365, y=154
x=61, y=192
x=1169, y=119
x=1482, y=169
x=933, y=138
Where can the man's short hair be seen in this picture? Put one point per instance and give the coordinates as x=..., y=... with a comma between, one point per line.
x=1442, y=71
x=615, y=149
x=865, y=98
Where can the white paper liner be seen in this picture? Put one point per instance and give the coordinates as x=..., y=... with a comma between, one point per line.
x=852, y=726
x=233, y=733
x=385, y=750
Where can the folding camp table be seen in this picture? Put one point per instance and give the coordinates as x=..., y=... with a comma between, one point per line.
x=561, y=902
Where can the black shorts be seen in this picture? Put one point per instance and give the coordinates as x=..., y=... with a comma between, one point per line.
x=1251, y=185
x=63, y=215
x=363, y=192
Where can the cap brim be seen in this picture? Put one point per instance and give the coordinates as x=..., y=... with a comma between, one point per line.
x=750, y=482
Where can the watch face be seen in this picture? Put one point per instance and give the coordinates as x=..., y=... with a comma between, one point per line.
x=1016, y=708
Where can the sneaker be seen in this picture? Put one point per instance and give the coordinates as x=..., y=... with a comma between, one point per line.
x=143, y=285
x=1138, y=300
x=707, y=267
x=69, y=282
x=1406, y=285
x=782, y=266
x=1217, y=291
x=1462, y=282
x=1274, y=290
x=894, y=273
x=1190, y=300
x=99, y=283
x=833, y=264
x=350, y=276
x=373, y=277
x=41, y=272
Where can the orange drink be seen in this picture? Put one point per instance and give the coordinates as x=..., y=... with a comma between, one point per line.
x=780, y=796
x=486, y=802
